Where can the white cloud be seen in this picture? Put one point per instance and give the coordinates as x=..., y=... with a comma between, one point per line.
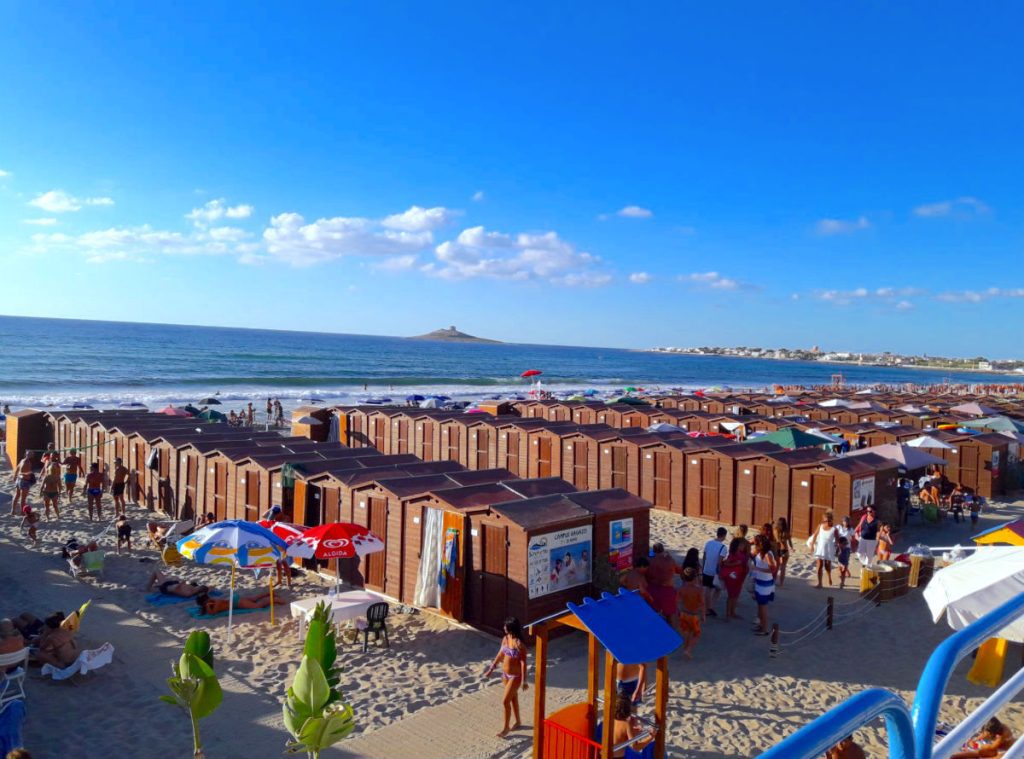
x=58, y=201
x=479, y=196
x=904, y=305
x=291, y=240
x=142, y=242
x=829, y=227
x=634, y=212
x=964, y=206
x=4, y=173
x=418, y=219
x=977, y=296
x=398, y=263
x=478, y=253
x=894, y=296
x=217, y=209
x=227, y=234
x=44, y=222
x=640, y=278
x=712, y=280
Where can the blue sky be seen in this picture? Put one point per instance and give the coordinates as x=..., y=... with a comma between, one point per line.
x=603, y=173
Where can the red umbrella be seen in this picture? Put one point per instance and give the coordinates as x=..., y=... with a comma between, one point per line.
x=287, y=531
x=531, y=373
x=336, y=540
x=172, y=411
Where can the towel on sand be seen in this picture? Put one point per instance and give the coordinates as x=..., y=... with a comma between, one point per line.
x=196, y=613
x=165, y=599
x=86, y=662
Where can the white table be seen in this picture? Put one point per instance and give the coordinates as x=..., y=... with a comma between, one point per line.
x=344, y=606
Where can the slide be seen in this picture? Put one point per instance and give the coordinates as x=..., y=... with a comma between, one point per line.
x=988, y=664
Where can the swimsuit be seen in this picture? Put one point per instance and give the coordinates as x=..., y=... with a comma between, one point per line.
x=167, y=584
x=51, y=494
x=95, y=492
x=70, y=479
x=627, y=688
x=124, y=532
x=117, y=489
x=25, y=483
x=513, y=654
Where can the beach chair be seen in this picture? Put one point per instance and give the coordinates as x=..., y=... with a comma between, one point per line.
x=91, y=564
x=175, y=531
x=12, y=687
x=376, y=623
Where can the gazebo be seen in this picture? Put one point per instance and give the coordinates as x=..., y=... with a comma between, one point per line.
x=631, y=632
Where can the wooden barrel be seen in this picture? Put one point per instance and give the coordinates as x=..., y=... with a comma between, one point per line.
x=884, y=574
x=868, y=580
x=894, y=582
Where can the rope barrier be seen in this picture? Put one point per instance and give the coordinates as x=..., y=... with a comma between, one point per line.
x=821, y=615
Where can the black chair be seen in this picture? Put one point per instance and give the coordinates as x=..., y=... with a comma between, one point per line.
x=376, y=623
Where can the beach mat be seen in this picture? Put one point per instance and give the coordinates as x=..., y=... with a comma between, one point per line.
x=988, y=664
x=164, y=599
x=196, y=613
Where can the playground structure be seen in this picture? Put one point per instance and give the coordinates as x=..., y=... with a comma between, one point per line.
x=911, y=732
x=631, y=632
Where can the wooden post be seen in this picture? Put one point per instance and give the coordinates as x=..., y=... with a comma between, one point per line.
x=829, y=612
x=773, y=649
x=661, y=707
x=540, y=670
x=608, y=729
x=593, y=652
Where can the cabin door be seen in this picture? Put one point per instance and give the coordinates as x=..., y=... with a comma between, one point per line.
x=427, y=431
x=376, y=562
x=379, y=432
x=764, y=487
x=482, y=444
x=619, y=459
x=543, y=456
x=512, y=452
x=220, y=490
x=709, y=488
x=494, y=577
x=580, y=454
x=969, y=467
x=663, y=480
x=402, y=441
x=189, y=505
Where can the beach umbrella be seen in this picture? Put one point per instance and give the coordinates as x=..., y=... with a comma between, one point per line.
x=287, y=531
x=1010, y=533
x=212, y=416
x=590, y=392
x=531, y=373
x=310, y=420
x=80, y=405
x=430, y=403
x=929, y=442
x=211, y=401
x=336, y=540
x=792, y=438
x=908, y=457
x=630, y=390
x=131, y=404
x=663, y=427
x=970, y=588
x=415, y=398
x=172, y=411
x=996, y=424
x=235, y=543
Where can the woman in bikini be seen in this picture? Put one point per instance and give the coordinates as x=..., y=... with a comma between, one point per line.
x=172, y=586
x=214, y=606
x=512, y=656
x=784, y=541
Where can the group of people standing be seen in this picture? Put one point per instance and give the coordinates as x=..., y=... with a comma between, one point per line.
x=871, y=540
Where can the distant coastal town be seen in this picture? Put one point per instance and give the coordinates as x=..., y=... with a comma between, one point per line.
x=977, y=363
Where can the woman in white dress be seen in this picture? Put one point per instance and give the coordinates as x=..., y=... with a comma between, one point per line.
x=824, y=545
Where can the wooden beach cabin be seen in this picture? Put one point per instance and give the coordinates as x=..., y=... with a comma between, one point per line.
x=711, y=478
x=845, y=486
x=979, y=462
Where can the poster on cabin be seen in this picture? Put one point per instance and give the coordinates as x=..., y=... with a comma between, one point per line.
x=995, y=465
x=559, y=560
x=620, y=544
x=863, y=493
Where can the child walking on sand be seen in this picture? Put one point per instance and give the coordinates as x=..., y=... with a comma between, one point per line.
x=512, y=657
x=843, y=559
x=691, y=611
x=29, y=521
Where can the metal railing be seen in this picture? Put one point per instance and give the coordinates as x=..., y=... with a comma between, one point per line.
x=912, y=733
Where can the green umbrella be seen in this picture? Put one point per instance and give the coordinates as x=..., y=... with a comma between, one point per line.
x=212, y=416
x=630, y=390
x=629, y=399
x=791, y=438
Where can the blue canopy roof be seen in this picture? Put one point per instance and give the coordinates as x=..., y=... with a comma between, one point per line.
x=628, y=627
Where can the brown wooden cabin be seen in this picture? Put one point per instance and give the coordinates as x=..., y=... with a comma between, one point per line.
x=612, y=414
x=842, y=415
x=261, y=482
x=497, y=408
x=979, y=463
x=511, y=443
x=638, y=417
x=667, y=416
x=542, y=451
x=559, y=411
x=612, y=506
x=763, y=484
x=711, y=476
x=875, y=435
x=696, y=421
x=726, y=405
x=318, y=432
x=378, y=428
x=482, y=434
x=27, y=430
x=831, y=486
x=585, y=412
x=426, y=432
x=663, y=470
x=533, y=409
x=193, y=468
x=578, y=459
x=352, y=426
x=508, y=534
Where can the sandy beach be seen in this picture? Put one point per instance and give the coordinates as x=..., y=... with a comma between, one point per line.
x=427, y=696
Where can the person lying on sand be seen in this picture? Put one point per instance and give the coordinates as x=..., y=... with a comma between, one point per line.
x=73, y=550
x=172, y=586
x=57, y=646
x=212, y=606
x=993, y=740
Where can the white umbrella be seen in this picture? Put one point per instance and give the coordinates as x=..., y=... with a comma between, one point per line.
x=972, y=587
x=929, y=442
x=311, y=420
x=663, y=427
x=908, y=457
x=825, y=436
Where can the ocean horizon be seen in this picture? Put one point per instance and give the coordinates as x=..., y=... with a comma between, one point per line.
x=57, y=362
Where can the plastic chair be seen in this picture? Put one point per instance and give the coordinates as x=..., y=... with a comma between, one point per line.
x=376, y=617
x=91, y=564
x=12, y=685
x=170, y=555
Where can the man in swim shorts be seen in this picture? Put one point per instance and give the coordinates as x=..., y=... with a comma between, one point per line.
x=72, y=468
x=630, y=681
x=24, y=477
x=94, y=490
x=118, y=485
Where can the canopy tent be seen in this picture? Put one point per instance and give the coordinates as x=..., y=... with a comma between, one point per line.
x=1010, y=533
x=790, y=438
x=833, y=439
x=924, y=441
x=908, y=457
x=663, y=427
x=974, y=409
x=995, y=424
x=972, y=587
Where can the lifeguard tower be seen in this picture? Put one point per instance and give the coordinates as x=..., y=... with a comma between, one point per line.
x=630, y=632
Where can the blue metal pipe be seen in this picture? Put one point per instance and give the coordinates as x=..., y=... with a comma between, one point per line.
x=811, y=741
x=932, y=685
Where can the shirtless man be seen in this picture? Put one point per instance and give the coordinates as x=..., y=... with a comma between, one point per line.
x=172, y=586
x=49, y=488
x=94, y=482
x=73, y=468
x=24, y=477
x=631, y=681
x=636, y=578
x=661, y=585
x=57, y=646
x=118, y=485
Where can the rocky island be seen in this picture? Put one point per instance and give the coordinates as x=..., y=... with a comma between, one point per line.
x=452, y=335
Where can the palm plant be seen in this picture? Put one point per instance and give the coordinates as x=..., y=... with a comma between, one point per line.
x=194, y=685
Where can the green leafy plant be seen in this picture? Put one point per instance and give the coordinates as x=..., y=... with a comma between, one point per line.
x=314, y=711
x=194, y=685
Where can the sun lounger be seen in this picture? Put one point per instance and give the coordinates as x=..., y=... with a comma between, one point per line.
x=90, y=563
x=175, y=531
x=12, y=684
x=86, y=662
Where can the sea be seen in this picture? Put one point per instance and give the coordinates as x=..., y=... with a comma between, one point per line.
x=60, y=362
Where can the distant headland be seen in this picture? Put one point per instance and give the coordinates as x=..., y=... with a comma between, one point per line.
x=452, y=335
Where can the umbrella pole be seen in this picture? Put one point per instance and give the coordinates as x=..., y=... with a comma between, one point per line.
x=231, y=601
x=270, y=581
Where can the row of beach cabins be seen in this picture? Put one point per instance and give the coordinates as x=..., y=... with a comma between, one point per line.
x=514, y=477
